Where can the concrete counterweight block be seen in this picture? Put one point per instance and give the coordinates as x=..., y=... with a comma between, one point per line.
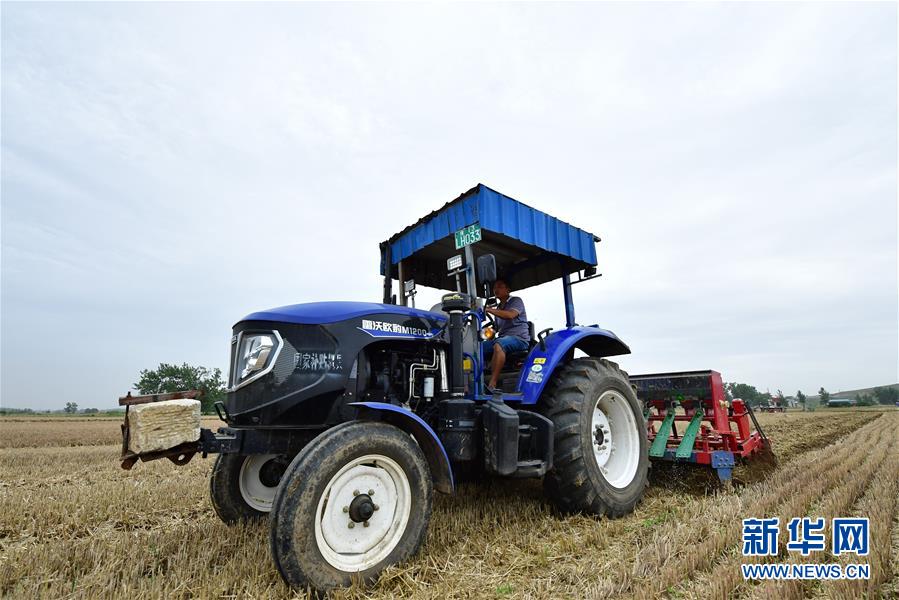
x=163, y=425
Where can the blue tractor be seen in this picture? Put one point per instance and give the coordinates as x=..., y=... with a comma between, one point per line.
x=343, y=417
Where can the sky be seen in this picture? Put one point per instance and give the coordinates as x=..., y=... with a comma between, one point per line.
x=169, y=168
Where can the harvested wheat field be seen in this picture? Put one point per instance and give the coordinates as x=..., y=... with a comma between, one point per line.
x=73, y=524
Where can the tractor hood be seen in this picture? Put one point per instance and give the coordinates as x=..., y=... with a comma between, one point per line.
x=315, y=365
x=320, y=313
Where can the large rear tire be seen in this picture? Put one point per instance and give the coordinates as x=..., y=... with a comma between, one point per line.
x=601, y=455
x=355, y=500
x=242, y=488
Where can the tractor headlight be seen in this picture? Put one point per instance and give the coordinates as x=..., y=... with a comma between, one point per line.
x=254, y=352
x=255, y=356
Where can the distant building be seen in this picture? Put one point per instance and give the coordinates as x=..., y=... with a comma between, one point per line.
x=841, y=402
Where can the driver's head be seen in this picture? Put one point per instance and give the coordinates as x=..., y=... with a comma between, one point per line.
x=501, y=289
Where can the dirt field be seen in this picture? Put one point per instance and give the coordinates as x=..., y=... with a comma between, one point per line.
x=73, y=524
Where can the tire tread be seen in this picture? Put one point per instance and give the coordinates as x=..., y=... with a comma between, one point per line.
x=564, y=402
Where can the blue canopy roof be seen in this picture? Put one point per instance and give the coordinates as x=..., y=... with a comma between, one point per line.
x=530, y=246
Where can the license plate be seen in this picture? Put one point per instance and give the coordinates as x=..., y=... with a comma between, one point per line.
x=468, y=235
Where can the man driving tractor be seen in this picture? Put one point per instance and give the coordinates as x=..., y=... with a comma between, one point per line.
x=512, y=330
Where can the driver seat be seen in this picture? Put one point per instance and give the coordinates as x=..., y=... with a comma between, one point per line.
x=515, y=360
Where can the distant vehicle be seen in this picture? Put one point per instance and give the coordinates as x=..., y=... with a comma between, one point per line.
x=841, y=402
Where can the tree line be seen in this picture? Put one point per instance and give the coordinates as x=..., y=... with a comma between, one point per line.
x=887, y=396
x=167, y=378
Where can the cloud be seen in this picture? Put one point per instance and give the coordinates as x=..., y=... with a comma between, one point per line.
x=168, y=168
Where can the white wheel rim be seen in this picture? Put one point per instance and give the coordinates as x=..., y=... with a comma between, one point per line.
x=359, y=547
x=615, y=439
x=254, y=492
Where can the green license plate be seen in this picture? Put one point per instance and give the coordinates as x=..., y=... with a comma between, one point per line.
x=468, y=235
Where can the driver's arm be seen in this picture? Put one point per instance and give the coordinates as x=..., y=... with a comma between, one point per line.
x=503, y=313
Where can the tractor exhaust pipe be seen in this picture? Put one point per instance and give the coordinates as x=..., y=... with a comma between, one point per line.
x=455, y=305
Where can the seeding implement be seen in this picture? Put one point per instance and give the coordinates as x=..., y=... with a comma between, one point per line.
x=712, y=431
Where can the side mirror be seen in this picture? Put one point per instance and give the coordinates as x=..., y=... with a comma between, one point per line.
x=486, y=269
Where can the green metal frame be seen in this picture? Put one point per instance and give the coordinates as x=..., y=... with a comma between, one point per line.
x=685, y=448
x=657, y=449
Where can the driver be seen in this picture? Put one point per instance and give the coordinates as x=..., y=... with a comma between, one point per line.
x=512, y=333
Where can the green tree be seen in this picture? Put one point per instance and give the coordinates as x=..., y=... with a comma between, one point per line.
x=864, y=400
x=168, y=378
x=71, y=408
x=801, y=398
x=745, y=392
x=886, y=395
x=823, y=395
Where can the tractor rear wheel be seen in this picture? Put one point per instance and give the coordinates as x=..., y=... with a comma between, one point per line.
x=242, y=487
x=354, y=501
x=601, y=461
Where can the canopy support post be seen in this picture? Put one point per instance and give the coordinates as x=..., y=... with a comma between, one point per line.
x=399, y=268
x=470, y=286
x=569, y=301
x=388, y=278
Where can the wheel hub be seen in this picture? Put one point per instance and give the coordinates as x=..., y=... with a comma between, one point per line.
x=362, y=508
x=599, y=436
x=362, y=513
x=258, y=480
x=615, y=437
x=271, y=472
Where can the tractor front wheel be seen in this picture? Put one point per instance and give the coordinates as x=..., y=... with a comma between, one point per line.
x=354, y=501
x=242, y=487
x=601, y=461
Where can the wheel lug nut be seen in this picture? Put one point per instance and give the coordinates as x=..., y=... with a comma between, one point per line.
x=377, y=507
x=351, y=525
x=355, y=492
x=371, y=492
x=346, y=509
x=365, y=523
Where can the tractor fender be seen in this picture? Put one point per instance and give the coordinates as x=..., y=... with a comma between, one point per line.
x=412, y=424
x=542, y=362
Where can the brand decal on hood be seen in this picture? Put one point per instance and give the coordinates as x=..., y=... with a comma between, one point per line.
x=384, y=329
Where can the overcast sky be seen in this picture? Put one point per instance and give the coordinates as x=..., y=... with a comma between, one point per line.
x=169, y=168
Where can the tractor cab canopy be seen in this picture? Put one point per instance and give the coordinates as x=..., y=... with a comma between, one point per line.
x=530, y=246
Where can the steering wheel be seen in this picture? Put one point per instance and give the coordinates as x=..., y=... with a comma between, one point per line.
x=490, y=322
